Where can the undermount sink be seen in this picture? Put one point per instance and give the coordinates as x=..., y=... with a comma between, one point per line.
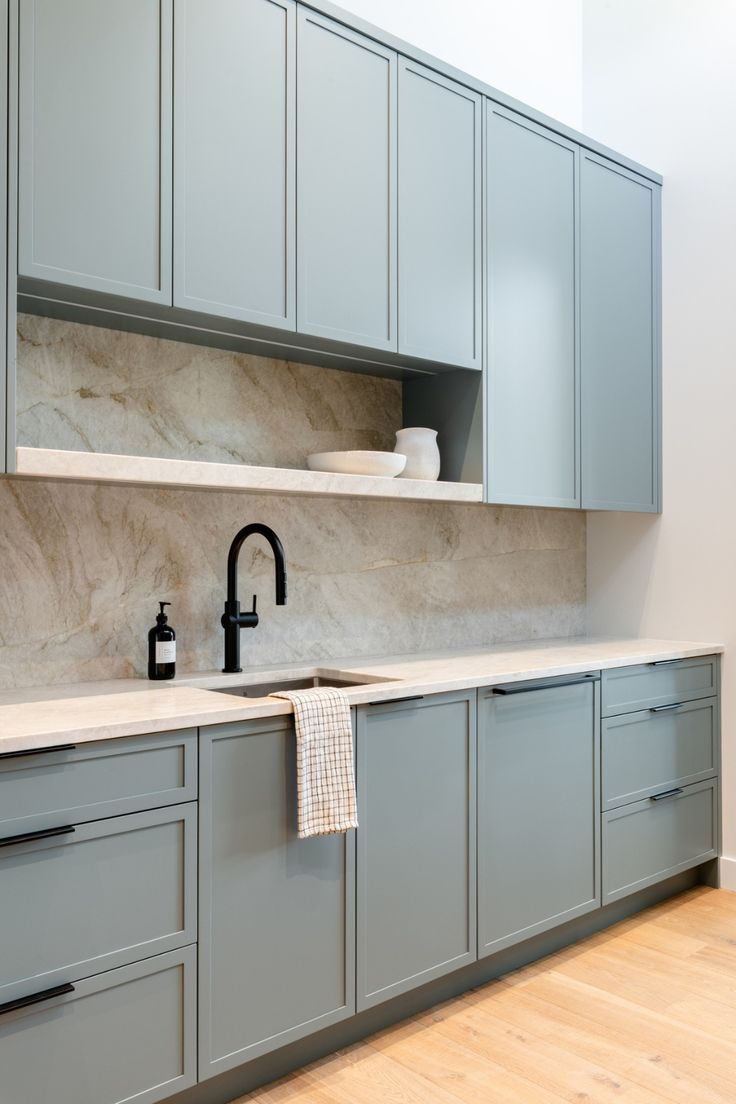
x=265, y=689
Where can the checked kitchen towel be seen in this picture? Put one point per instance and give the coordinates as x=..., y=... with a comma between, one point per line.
x=325, y=778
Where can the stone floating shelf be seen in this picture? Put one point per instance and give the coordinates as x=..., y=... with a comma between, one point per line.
x=105, y=467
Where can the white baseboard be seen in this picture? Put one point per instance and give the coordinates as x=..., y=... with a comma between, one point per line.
x=727, y=871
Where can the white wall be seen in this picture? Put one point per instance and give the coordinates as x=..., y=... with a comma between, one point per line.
x=530, y=49
x=658, y=84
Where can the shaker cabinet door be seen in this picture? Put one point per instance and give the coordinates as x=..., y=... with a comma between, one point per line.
x=346, y=185
x=531, y=244
x=619, y=284
x=538, y=810
x=276, y=939
x=416, y=843
x=440, y=244
x=95, y=145
x=234, y=168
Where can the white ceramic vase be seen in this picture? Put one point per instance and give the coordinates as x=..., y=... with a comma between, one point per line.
x=419, y=446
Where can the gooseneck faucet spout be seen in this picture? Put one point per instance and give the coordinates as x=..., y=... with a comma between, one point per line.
x=232, y=619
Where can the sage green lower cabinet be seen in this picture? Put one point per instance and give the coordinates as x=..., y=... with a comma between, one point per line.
x=538, y=809
x=651, y=840
x=277, y=951
x=126, y=1035
x=94, y=781
x=87, y=898
x=416, y=843
x=651, y=751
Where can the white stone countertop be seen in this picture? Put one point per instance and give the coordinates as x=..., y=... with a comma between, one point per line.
x=40, y=718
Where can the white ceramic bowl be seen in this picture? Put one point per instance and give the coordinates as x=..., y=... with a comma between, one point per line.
x=358, y=462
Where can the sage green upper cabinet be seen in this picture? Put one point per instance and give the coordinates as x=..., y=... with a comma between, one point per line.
x=95, y=145
x=346, y=185
x=234, y=168
x=439, y=218
x=620, y=355
x=277, y=936
x=3, y=231
x=416, y=843
x=532, y=388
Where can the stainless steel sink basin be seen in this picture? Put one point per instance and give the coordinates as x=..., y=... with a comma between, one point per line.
x=264, y=689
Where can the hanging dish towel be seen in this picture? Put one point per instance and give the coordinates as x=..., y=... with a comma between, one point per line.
x=325, y=779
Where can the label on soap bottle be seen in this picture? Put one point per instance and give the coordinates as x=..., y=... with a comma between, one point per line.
x=165, y=651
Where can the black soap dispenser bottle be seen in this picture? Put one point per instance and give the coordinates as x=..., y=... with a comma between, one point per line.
x=162, y=647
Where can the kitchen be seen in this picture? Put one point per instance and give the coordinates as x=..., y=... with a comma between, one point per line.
x=415, y=249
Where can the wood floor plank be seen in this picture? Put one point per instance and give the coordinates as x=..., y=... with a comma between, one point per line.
x=644, y=1013
x=662, y=1069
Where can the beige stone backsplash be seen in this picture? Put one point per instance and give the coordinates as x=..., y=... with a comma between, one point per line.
x=83, y=566
x=100, y=390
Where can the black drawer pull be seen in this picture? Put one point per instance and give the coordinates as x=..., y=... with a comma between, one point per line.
x=522, y=689
x=36, y=751
x=663, y=662
x=398, y=701
x=667, y=793
x=30, y=837
x=25, y=1002
x=664, y=708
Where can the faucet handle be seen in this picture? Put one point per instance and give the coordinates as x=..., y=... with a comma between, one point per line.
x=255, y=599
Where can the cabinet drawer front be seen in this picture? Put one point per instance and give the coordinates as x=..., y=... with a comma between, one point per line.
x=626, y=689
x=96, y=897
x=126, y=1035
x=647, y=752
x=96, y=780
x=650, y=840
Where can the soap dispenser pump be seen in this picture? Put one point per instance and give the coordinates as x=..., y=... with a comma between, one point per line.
x=162, y=647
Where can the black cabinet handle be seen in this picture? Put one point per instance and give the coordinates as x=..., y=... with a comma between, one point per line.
x=36, y=998
x=664, y=708
x=30, y=837
x=663, y=662
x=522, y=689
x=667, y=793
x=36, y=751
x=397, y=701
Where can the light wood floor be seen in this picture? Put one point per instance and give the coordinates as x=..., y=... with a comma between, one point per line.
x=644, y=1012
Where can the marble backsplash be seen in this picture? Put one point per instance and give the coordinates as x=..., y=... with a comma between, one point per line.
x=100, y=390
x=84, y=565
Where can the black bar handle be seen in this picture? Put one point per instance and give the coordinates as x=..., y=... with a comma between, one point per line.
x=36, y=751
x=31, y=837
x=398, y=701
x=664, y=708
x=662, y=662
x=36, y=998
x=522, y=689
x=667, y=793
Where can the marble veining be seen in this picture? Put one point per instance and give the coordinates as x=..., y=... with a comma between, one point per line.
x=84, y=563
x=83, y=567
x=99, y=390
